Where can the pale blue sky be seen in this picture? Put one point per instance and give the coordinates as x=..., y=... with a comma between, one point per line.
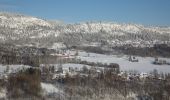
x=147, y=12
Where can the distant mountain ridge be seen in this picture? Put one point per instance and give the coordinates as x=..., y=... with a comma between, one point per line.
x=27, y=30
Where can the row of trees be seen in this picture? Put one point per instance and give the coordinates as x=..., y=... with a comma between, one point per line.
x=157, y=50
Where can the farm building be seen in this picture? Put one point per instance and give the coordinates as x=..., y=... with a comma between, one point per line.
x=160, y=61
x=133, y=59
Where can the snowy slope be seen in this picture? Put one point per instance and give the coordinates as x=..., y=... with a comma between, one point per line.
x=49, y=88
x=20, y=21
x=21, y=29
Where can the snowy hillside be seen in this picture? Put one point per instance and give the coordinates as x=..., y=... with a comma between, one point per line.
x=21, y=29
x=20, y=21
x=94, y=27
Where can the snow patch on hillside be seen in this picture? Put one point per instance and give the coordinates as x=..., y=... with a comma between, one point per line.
x=49, y=88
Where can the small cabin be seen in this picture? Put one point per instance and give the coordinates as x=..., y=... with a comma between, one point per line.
x=133, y=59
x=159, y=61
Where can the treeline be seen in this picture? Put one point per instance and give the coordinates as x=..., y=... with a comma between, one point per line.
x=162, y=50
x=92, y=49
x=10, y=54
x=14, y=59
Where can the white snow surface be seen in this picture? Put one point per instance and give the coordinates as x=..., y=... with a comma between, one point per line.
x=49, y=88
x=57, y=46
x=3, y=93
x=20, y=21
x=12, y=68
x=65, y=66
x=144, y=64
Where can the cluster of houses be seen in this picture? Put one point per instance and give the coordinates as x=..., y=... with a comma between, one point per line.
x=138, y=76
x=59, y=72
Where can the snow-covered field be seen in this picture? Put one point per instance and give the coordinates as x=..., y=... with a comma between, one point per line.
x=49, y=88
x=72, y=65
x=2, y=93
x=144, y=64
x=12, y=68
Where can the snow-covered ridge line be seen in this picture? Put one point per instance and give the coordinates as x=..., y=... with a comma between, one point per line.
x=20, y=21
x=21, y=28
x=111, y=27
x=17, y=21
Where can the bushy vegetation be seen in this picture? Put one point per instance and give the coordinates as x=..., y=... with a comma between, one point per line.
x=25, y=83
x=113, y=87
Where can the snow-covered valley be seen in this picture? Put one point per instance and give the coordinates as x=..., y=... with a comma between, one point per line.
x=145, y=64
x=82, y=61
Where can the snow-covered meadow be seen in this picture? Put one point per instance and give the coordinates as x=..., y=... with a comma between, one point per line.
x=49, y=88
x=12, y=68
x=145, y=64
